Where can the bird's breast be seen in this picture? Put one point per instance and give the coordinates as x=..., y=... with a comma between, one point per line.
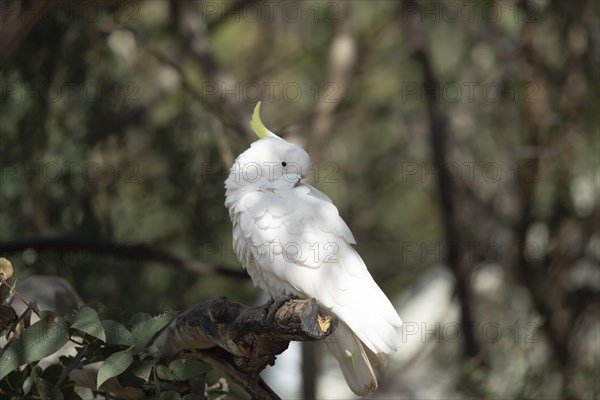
x=253, y=254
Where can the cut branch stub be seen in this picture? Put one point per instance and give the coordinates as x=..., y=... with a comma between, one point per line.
x=253, y=335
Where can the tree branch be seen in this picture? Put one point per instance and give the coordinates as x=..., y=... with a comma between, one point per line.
x=251, y=336
x=233, y=338
x=232, y=8
x=139, y=252
x=529, y=174
x=194, y=33
x=438, y=138
x=255, y=386
x=342, y=61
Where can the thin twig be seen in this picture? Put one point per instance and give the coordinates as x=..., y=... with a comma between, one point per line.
x=525, y=270
x=139, y=252
x=193, y=31
x=255, y=386
x=30, y=305
x=438, y=137
x=342, y=63
x=202, y=99
x=72, y=365
x=232, y=8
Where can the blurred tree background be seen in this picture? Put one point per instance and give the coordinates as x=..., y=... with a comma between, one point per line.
x=459, y=140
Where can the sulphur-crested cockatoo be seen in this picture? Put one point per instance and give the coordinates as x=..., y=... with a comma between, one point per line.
x=292, y=241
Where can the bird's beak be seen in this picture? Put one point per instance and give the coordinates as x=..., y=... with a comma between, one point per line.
x=298, y=183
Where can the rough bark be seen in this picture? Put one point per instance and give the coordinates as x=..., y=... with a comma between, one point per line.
x=233, y=338
x=254, y=336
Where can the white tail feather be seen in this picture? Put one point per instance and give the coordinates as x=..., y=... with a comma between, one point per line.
x=353, y=360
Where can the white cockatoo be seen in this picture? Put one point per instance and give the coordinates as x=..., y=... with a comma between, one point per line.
x=292, y=241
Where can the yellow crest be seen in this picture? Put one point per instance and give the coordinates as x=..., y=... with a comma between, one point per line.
x=257, y=125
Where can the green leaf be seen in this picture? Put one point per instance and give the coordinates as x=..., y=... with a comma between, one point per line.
x=71, y=316
x=87, y=321
x=8, y=317
x=140, y=317
x=170, y=395
x=164, y=386
x=183, y=369
x=193, y=397
x=146, y=328
x=142, y=370
x=164, y=373
x=116, y=333
x=216, y=394
x=47, y=314
x=151, y=349
x=41, y=339
x=45, y=390
x=113, y=366
x=27, y=384
x=52, y=372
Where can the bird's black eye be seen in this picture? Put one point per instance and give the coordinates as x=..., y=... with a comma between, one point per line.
x=283, y=163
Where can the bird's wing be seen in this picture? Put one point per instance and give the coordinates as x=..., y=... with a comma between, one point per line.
x=305, y=244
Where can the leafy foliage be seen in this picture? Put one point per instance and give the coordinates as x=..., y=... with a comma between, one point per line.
x=82, y=338
x=41, y=339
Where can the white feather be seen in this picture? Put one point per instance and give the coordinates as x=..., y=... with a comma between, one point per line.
x=292, y=240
